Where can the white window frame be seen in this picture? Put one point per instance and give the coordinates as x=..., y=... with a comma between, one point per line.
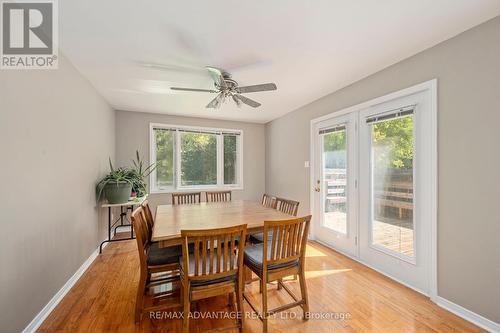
x=177, y=187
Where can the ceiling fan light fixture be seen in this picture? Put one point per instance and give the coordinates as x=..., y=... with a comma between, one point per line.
x=225, y=86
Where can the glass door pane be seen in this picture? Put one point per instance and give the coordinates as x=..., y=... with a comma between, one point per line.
x=334, y=180
x=392, y=149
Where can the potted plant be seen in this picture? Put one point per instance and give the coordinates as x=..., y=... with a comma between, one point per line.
x=139, y=173
x=116, y=185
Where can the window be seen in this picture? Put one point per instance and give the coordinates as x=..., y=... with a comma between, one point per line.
x=198, y=159
x=392, y=149
x=230, y=159
x=335, y=178
x=195, y=158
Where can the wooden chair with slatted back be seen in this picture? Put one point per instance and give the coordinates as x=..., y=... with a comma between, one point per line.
x=219, y=196
x=214, y=268
x=287, y=206
x=280, y=255
x=186, y=198
x=148, y=215
x=268, y=201
x=163, y=262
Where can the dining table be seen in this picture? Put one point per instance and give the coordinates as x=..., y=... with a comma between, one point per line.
x=171, y=219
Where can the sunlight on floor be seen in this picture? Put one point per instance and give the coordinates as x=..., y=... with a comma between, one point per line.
x=312, y=252
x=315, y=274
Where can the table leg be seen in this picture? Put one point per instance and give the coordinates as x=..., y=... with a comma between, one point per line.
x=109, y=230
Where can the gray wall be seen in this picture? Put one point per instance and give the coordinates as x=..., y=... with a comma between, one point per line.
x=132, y=132
x=468, y=70
x=56, y=134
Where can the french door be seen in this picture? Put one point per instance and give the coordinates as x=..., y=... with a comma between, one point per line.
x=373, y=193
x=335, y=183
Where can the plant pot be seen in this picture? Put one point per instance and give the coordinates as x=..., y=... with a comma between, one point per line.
x=117, y=193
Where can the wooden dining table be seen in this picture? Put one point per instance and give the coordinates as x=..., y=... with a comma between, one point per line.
x=171, y=219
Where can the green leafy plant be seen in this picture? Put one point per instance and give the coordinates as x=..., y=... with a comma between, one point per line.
x=115, y=176
x=139, y=173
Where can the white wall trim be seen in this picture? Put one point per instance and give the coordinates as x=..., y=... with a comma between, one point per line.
x=51, y=305
x=468, y=315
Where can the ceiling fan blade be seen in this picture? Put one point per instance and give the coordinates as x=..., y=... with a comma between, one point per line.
x=177, y=68
x=216, y=102
x=193, y=89
x=236, y=100
x=247, y=101
x=257, y=87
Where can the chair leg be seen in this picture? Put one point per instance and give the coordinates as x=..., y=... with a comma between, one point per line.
x=139, y=301
x=264, y=306
x=303, y=292
x=239, y=304
x=186, y=308
x=280, y=281
x=260, y=286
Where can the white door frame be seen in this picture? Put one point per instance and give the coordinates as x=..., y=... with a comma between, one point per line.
x=348, y=242
x=429, y=87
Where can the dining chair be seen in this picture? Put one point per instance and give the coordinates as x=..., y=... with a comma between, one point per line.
x=214, y=268
x=219, y=196
x=163, y=262
x=186, y=198
x=283, y=205
x=148, y=215
x=281, y=255
x=268, y=201
x=287, y=206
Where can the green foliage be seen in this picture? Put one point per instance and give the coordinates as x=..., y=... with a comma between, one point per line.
x=134, y=176
x=165, y=157
x=230, y=159
x=115, y=176
x=139, y=173
x=198, y=159
x=335, y=141
x=393, y=141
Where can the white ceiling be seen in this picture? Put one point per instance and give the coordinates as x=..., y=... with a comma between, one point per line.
x=308, y=48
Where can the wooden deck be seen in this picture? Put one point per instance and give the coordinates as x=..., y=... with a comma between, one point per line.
x=398, y=238
x=354, y=297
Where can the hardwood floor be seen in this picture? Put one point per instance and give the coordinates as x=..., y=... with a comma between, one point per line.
x=103, y=300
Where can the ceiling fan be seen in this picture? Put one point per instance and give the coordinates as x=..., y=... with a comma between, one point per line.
x=226, y=87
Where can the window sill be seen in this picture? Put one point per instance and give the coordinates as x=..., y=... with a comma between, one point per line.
x=197, y=189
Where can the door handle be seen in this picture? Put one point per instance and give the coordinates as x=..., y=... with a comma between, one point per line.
x=317, y=188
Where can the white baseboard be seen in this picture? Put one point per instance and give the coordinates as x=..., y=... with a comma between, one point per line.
x=47, y=309
x=468, y=315
x=460, y=311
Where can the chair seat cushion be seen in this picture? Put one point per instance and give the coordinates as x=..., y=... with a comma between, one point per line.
x=207, y=281
x=253, y=258
x=163, y=255
x=259, y=238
